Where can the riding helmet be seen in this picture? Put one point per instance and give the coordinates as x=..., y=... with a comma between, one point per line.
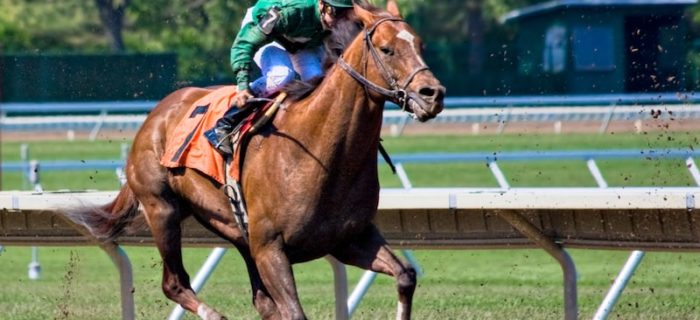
x=339, y=3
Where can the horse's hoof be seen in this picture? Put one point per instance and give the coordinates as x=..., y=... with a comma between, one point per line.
x=207, y=313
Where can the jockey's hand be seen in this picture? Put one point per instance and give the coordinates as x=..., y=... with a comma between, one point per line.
x=242, y=97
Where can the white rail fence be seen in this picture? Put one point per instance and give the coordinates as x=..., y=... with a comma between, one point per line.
x=96, y=116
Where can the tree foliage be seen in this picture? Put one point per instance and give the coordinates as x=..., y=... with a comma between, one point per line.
x=49, y=26
x=201, y=31
x=463, y=34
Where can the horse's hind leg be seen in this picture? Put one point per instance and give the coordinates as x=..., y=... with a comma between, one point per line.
x=370, y=251
x=211, y=208
x=164, y=218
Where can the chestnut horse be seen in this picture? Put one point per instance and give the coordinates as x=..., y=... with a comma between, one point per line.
x=309, y=179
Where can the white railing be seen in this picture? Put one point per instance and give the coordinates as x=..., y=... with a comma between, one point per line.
x=95, y=116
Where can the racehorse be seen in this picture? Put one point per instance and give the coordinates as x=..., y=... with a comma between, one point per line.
x=309, y=179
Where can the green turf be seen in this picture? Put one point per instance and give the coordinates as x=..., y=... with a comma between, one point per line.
x=519, y=174
x=81, y=283
x=534, y=142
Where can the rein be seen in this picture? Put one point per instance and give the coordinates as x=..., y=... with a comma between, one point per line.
x=398, y=92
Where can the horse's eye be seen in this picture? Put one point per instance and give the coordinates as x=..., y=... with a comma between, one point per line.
x=387, y=51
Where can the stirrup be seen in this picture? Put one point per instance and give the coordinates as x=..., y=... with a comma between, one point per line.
x=222, y=144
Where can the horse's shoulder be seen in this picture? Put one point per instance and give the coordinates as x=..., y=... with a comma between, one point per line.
x=194, y=93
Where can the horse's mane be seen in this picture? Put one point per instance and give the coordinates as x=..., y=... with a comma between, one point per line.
x=342, y=34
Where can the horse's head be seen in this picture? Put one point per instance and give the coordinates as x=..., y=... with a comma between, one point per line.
x=396, y=63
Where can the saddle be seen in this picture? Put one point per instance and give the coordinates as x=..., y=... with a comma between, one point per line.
x=187, y=147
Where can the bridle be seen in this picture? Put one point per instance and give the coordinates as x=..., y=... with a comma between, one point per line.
x=397, y=92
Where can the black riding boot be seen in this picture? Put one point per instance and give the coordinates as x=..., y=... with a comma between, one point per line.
x=219, y=135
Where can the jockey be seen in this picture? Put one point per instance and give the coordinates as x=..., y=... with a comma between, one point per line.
x=289, y=35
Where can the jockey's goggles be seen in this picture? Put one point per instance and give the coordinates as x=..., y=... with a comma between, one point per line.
x=331, y=10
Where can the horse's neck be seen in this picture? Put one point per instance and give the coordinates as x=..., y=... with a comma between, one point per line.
x=340, y=116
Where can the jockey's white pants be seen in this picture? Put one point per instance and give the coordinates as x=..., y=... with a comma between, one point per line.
x=279, y=67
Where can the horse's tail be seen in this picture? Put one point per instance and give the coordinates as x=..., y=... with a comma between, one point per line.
x=109, y=221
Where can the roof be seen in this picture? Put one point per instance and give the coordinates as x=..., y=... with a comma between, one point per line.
x=564, y=4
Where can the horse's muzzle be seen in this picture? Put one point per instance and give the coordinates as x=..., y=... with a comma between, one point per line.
x=427, y=102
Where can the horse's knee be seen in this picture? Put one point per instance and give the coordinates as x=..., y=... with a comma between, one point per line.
x=173, y=286
x=265, y=306
x=406, y=281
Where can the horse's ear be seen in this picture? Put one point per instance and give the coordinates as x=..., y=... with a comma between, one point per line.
x=365, y=16
x=393, y=8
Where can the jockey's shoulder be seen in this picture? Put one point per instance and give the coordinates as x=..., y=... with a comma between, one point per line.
x=286, y=7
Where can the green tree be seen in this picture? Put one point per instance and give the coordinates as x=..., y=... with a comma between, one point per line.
x=201, y=32
x=112, y=16
x=36, y=26
x=464, y=37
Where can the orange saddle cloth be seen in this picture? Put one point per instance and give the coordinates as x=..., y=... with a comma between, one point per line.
x=187, y=146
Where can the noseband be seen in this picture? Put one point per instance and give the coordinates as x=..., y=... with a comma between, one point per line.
x=397, y=93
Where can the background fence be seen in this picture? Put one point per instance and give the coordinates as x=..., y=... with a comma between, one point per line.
x=126, y=116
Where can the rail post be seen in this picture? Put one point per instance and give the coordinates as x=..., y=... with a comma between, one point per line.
x=619, y=285
x=126, y=278
x=24, y=158
x=34, y=268
x=504, y=121
x=525, y=227
x=633, y=261
x=606, y=121
x=121, y=174
x=595, y=172
x=498, y=174
x=98, y=125
x=533, y=233
x=340, y=281
x=201, y=278
x=33, y=176
x=693, y=169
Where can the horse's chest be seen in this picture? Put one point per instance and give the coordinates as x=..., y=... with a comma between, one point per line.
x=329, y=225
x=348, y=218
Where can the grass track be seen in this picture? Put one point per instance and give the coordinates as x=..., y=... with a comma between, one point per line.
x=81, y=283
x=520, y=174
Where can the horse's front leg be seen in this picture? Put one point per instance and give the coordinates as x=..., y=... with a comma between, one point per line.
x=370, y=251
x=277, y=275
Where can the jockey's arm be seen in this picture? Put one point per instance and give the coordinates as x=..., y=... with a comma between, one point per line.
x=249, y=39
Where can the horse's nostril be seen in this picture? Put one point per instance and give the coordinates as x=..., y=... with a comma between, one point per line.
x=427, y=91
x=436, y=93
